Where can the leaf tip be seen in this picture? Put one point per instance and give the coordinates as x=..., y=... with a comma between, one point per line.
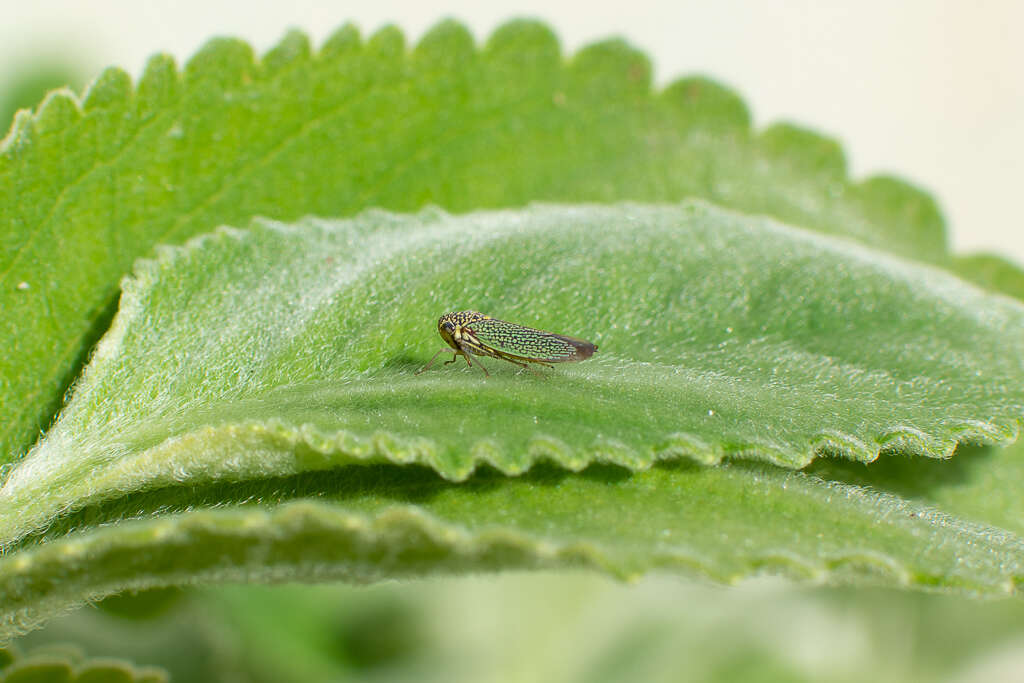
x=159, y=84
x=58, y=110
x=19, y=134
x=112, y=88
x=388, y=41
x=993, y=272
x=345, y=40
x=701, y=101
x=614, y=64
x=447, y=38
x=832, y=443
x=804, y=149
x=913, y=213
x=221, y=63
x=291, y=51
x=530, y=39
x=680, y=445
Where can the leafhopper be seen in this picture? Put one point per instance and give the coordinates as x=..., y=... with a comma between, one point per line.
x=473, y=334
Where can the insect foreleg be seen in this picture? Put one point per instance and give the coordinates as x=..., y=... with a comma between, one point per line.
x=434, y=357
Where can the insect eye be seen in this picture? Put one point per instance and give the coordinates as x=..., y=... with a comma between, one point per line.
x=448, y=326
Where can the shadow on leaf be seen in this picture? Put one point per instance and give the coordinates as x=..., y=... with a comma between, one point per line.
x=904, y=475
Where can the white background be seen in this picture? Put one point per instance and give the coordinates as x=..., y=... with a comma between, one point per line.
x=930, y=90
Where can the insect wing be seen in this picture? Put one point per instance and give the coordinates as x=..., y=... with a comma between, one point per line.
x=527, y=343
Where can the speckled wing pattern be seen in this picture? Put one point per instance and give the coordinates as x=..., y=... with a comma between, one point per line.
x=529, y=344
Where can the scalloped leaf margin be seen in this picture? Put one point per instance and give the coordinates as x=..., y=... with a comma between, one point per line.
x=287, y=348
x=372, y=123
x=370, y=523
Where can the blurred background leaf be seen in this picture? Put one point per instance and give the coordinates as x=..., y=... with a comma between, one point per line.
x=568, y=626
x=31, y=78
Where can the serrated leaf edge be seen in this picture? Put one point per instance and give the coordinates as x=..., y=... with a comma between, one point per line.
x=454, y=549
x=881, y=199
x=781, y=140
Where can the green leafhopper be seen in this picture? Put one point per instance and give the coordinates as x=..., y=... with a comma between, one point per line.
x=474, y=334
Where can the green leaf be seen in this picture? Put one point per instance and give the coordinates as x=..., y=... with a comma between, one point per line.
x=66, y=663
x=30, y=80
x=991, y=272
x=979, y=484
x=253, y=413
x=647, y=631
x=363, y=524
x=606, y=630
x=291, y=348
x=267, y=356
x=87, y=187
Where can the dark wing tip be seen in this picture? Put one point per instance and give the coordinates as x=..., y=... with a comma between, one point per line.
x=584, y=349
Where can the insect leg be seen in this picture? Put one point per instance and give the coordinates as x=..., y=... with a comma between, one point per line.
x=524, y=363
x=466, y=354
x=432, y=359
x=526, y=366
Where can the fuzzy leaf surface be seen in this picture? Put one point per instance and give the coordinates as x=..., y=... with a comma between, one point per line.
x=368, y=523
x=272, y=371
x=89, y=185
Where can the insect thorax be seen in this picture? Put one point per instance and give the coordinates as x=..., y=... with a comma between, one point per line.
x=461, y=318
x=450, y=325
